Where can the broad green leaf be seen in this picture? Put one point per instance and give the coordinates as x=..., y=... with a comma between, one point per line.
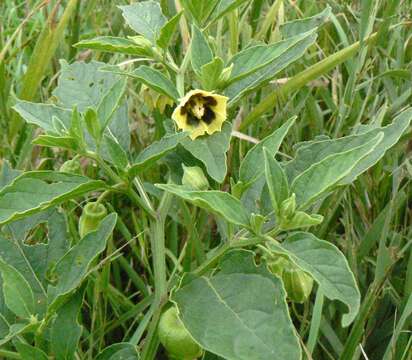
x=83, y=85
x=7, y=174
x=111, y=102
x=119, y=127
x=276, y=180
x=156, y=80
x=221, y=203
x=34, y=261
x=167, y=31
x=119, y=351
x=116, y=152
x=327, y=265
x=253, y=164
x=17, y=292
x=155, y=151
x=65, y=331
x=42, y=115
x=323, y=175
x=34, y=191
x=145, y=18
x=264, y=74
x=293, y=28
x=315, y=151
x=200, y=51
x=114, y=45
x=210, y=74
x=200, y=10
x=72, y=268
x=256, y=57
x=240, y=313
x=64, y=142
x=211, y=150
x=28, y=352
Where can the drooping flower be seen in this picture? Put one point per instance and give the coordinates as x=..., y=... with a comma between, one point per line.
x=200, y=112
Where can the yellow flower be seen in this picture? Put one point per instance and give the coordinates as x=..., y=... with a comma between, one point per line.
x=200, y=112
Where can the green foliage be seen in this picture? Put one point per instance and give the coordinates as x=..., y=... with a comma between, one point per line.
x=210, y=307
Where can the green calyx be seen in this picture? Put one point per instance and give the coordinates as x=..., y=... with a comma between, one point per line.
x=72, y=167
x=175, y=338
x=93, y=213
x=298, y=284
x=194, y=177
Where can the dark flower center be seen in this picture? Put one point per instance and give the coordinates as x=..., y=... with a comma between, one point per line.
x=197, y=108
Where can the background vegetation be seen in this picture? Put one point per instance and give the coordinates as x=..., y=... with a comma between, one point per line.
x=370, y=221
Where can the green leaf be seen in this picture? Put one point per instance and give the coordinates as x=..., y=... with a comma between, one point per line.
x=64, y=142
x=327, y=265
x=225, y=316
x=65, y=331
x=296, y=27
x=315, y=151
x=155, y=151
x=252, y=59
x=300, y=220
x=93, y=124
x=34, y=261
x=145, y=18
x=276, y=180
x=167, y=31
x=111, y=102
x=199, y=10
x=114, y=45
x=253, y=165
x=264, y=74
x=17, y=292
x=28, y=352
x=72, y=268
x=7, y=174
x=34, y=191
x=119, y=351
x=83, y=85
x=116, y=152
x=219, y=202
x=200, y=51
x=210, y=74
x=155, y=80
x=42, y=115
x=322, y=176
x=211, y=150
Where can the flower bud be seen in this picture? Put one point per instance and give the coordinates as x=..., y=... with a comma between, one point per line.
x=193, y=176
x=298, y=284
x=278, y=264
x=288, y=207
x=71, y=166
x=175, y=338
x=92, y=215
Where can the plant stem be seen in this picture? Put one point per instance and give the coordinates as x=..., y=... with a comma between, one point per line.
x=158, y=249
x=208, y=264
x=10, y=354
